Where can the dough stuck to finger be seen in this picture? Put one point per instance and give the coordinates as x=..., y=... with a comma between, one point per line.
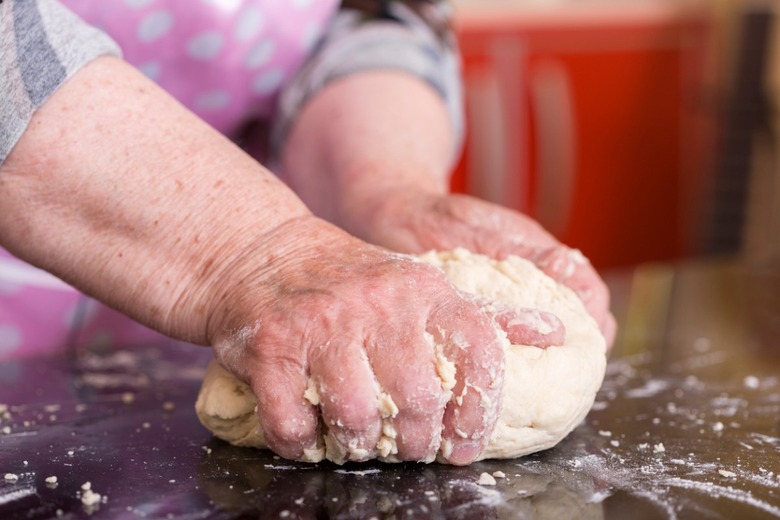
x=547, y=392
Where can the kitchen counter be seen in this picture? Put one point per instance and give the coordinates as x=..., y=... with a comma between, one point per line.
x=686, y=426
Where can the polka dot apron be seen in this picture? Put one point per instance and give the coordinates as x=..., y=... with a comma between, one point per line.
x=223, y=59
x=226, y=61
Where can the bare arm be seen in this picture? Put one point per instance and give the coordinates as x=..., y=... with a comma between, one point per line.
x=142, y=202
x=380, y=151
x=123, y=193
x=367, y=134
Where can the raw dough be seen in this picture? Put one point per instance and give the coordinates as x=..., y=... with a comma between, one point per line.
x=547, y=392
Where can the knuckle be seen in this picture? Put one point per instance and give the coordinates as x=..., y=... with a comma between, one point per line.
x=418, y=395
x=287, y=436
x=356, y=416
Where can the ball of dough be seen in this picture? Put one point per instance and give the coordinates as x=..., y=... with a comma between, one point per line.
x=547, y=392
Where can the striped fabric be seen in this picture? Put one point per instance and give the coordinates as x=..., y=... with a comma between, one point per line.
x=41, y=45
x=412, y=36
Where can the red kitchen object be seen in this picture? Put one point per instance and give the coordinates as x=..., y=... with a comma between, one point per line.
x=587, y=116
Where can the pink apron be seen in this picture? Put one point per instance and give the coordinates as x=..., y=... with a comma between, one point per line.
x=226, y=60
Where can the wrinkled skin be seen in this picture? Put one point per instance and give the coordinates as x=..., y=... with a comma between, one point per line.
x=211, y=248
x=417, y=221
x=354, y=318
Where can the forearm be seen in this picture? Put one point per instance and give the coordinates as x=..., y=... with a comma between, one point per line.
x=123, y=193
x=364, y=135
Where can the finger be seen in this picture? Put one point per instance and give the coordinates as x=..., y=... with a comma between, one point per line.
x=349, y=400
x=278, y=382
x=289, y=422
x=406, y=369
x=470, y=342
x=570, y=267
x=531, y=327
x=559, y=263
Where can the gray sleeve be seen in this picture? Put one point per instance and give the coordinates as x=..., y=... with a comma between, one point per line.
x=42, y=44
x=397, y=36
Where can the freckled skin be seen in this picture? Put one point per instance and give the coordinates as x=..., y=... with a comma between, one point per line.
x=281, y=294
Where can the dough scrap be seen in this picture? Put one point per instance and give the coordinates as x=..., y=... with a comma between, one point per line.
x=547, y=392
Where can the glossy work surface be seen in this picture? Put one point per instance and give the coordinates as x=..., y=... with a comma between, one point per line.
x=687, y=425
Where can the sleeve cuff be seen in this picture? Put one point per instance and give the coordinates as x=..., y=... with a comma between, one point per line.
x=45, y=44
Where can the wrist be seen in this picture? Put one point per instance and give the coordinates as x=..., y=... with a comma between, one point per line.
x=382, y=199
x=356, y=148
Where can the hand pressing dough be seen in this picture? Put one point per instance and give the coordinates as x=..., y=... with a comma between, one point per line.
x=547, y=392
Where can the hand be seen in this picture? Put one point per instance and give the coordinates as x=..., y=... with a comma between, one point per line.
x=413, y=221
x=210, y=248
x=358, y=321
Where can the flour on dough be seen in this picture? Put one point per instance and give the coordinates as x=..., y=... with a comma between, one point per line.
x=547, y=392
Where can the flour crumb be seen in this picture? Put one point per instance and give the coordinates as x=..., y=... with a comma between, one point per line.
x=605, y=433
x=717, y=427
x=752, y=382
x=643, y=446
x=6, y=430
x=311, y=394
x=128, y=397
x=387, y=407
x=499, y=474
x=486, y=479
x=11, y=477
x=89, y=497
x=726, y=473
x=51, y=481
x=659, y=448
x=168, y=406
x=614, y=443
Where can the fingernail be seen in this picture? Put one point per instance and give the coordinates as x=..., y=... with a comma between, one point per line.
x=548, y=323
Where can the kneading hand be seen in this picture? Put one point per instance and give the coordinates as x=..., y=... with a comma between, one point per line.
x=362, y=324
x=380, y=171
x=412, y=222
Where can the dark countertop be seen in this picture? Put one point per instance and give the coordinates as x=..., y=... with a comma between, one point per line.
x=695, y=373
